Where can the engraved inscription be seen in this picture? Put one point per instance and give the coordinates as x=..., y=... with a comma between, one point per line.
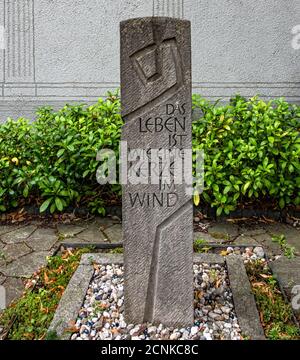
x=174, y=123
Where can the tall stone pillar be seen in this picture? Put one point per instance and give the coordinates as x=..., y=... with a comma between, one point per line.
x=157, y=218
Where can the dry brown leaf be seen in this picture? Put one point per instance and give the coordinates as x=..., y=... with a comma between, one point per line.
x=96, y=267
x=70, y=252
x=59, y=270
x=233, y=220
x=199, y=294
x=261, y=316
x=71, y=329
x=46, y=278
x=61, y=288
x=266, y=220
x=264, y=276
x=46, y=310
x=71, y=323
x=30, y=283
x=218, y=283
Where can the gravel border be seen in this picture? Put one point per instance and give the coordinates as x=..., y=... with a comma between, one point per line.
x=74, y=295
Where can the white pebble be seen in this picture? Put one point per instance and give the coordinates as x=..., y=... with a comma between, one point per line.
x=106, y=314
x=194, y=330
x=259, y=251
x=207, y=336
x=175, y=336
x=152, y=330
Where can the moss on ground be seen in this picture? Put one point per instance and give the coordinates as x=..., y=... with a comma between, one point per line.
x=275, y=314
x=29, y=317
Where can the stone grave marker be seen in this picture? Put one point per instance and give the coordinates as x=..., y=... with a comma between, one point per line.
x=157, y=217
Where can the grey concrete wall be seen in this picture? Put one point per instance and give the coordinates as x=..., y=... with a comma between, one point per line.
x=59, y=51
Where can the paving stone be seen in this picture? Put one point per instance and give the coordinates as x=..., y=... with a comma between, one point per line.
x=243, y=298
x=271, y=247
x=287, y=271
x=276, y=228
x=42, y=239
x=18, y=235
x=291, y=234
x=2, y=255
x=105, y=222
x=98, y=222
x=15, y=251
x=69, y=230
x=91, y=235
x=14, y=289
x=249, y=230
x=2, y=279
x=4, y=229
x=114, y=233
x=207, y=237
x=293, y=238
x=223, y=231
x=245, y=240
x=3, y=261
x=26, y=265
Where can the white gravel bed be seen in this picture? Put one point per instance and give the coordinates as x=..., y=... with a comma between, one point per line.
x=102, y=314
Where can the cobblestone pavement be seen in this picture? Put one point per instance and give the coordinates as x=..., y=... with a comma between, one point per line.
x=24, y=248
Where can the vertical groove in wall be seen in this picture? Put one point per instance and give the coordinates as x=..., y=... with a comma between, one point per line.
x=171, y=8
x=23, y=16
x=5, y=40
x=19, y=32
x=11, y=49
x=32, y=48
x=20, y=42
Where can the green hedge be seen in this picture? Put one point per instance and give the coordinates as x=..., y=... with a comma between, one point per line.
x=52, y=161
x=252, y=151
x=251, y=148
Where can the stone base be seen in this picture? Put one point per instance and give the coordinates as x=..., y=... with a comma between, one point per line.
x=75, y=293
